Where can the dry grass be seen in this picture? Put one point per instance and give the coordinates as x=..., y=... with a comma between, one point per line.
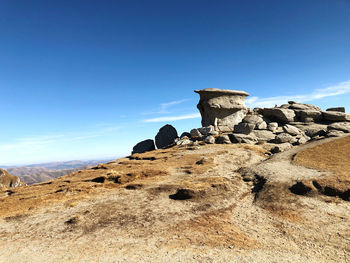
x=334, y=157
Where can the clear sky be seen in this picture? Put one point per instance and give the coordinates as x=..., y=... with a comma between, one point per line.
x=89, y=79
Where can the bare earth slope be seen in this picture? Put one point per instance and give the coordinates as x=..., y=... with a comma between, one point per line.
x=183, y=204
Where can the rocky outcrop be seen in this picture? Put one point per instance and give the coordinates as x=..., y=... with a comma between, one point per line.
x=166, y=136
x=225, y=120
x=222, y=108
x=144, y=146
x=9, y=181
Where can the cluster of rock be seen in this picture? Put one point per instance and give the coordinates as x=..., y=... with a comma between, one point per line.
x=225, y=120
x=9, y=181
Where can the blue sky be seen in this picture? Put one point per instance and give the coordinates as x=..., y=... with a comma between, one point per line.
x=89, y=79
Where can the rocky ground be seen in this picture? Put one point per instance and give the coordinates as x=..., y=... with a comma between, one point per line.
x=189, y=203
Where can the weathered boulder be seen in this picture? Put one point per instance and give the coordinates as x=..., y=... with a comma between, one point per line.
x=166, y=136
x=264, y=135
x=285, y=137
x=223, y=139
x=261, y=126
x=292, y=130
x=312, y=129
x=207, y=130
x=244, y=128
x=281, y=147
x=144, y=146
x=279, y=115
x=243, y=138
x=195, y=133
x=335, y=116
x=309, y=115
x=339, y=109
x=253, y=119
x=301, y=106
x=182, y=141
x=9, y=181
x=209, y=139
x=335, y=133
x=187, y=134
x=272, y=126
x=222, y=108
x=340, y=126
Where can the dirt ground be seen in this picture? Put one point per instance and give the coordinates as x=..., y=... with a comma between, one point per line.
x=206, y=203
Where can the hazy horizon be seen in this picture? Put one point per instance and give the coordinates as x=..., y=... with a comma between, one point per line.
x=85, y=79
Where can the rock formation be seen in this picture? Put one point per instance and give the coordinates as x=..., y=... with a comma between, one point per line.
x=221, y=108
x=9, y=181
x=225, y=119
x=144, y=146
x=166, y=136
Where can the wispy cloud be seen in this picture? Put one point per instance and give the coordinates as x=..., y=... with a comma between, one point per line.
x=174, y=118
x=45, y=140
x=164, y=107
x=339, y=89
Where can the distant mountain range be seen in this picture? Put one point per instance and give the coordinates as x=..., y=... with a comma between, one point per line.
x=35, y=173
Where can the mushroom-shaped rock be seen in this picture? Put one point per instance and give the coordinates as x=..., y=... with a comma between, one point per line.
x=222, y=108
x=166, y=136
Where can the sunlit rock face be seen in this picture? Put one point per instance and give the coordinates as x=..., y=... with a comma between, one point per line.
x=222, y=108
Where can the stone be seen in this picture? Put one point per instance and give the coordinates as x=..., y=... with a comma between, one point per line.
x=292, y=130
x=264, y=135
x=183, y=141
x=335, y=116
x=243, y=138
x=284, y=137
x=261, y=126
x=253, y=119
x=335, y=133
x=195, y=133
x=223, y=139
x=206, y=130
x=303, y=140
x=222, y=108
x=166, y=136
x=301, y=106
x=209, y=139
x=281, y=147
x=187, y=134
x=144, y=146
x=309, y=115
x=272, y=126
x=279, y=115
x=340, y=126
x=313, y=129
x=213, y=133
x=9, y=181
x=244, y=128
x=339, y=109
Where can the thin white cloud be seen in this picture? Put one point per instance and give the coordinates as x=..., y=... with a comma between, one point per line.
x=339, y=89
x=44, y=140
x=164, y=107
x=174, y=118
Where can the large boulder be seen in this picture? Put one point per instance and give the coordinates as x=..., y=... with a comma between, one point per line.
x=301, y=106
x=244, y=128
x=292, y=130
x=166, y=136
x=264, y=135
x=313, y=129
x=340, y=126
x=335, y=116
x=9, y=181
x=222, y=108
x=339, y=109
x=285, y=137
x=243, y=138
x=144, y=146
x=279, y=115
x=309, y=115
